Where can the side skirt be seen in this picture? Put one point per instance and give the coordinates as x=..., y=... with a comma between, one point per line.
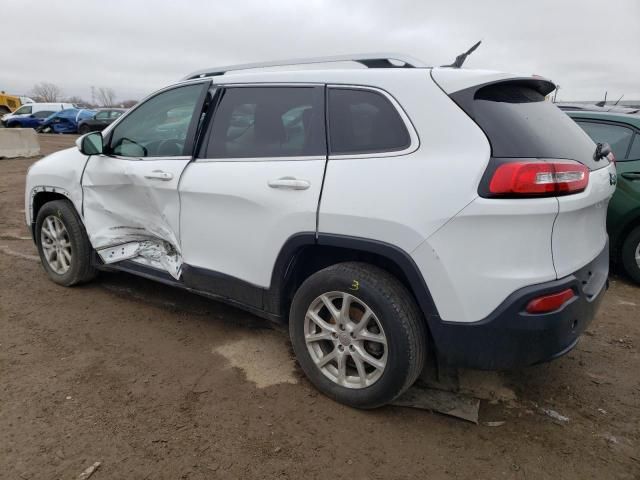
x=193, y=285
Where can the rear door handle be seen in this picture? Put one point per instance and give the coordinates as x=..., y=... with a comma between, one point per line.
x=159, y=175
x=290, y=183
x=631, y=175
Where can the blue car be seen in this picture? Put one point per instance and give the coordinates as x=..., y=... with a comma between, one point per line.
x=65, y=121
x=29, y=121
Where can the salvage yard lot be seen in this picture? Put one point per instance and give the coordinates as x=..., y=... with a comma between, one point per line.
x=158, y=383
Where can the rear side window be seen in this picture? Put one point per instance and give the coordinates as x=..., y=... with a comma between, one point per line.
x=618, y=137
x=364, y=121
x=42, y=114
x=254, y=122
x=520, y=123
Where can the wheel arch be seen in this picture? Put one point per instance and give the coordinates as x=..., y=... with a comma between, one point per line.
x=632, y=221
x=41, y=196
x=305, y=254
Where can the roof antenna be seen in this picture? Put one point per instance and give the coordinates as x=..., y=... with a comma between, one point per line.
x=616, y=103
x=463, y=56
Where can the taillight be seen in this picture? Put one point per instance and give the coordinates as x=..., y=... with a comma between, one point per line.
x=535, y=178
x=550, y=303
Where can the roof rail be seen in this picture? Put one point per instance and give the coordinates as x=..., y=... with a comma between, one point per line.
x=370, y=60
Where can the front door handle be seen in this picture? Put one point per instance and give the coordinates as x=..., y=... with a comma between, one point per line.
x=290, y=183
x=631, y=175
x=159, y=175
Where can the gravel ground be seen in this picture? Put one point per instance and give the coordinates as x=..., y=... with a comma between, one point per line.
x=156, y=383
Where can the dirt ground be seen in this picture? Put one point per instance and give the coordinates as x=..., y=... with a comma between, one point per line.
x=156, y=383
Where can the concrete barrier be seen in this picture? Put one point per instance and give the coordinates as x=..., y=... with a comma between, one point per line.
x=18, y=142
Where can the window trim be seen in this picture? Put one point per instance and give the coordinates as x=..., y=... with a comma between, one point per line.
x=221, y=87
x=107, y=133
x=634, y=132
x=414, y=139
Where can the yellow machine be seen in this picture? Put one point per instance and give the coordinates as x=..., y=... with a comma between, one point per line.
x=8, y=103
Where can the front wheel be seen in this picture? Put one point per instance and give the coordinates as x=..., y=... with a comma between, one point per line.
x=358, y=334
x=84, y=129
x=631, y=254
x=65, y=251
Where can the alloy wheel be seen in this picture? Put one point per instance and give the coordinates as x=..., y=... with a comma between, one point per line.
x=56, y=244
x=345, y=340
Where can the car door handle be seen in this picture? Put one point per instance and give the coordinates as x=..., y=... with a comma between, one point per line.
x=159, y=175
x=631, y=175
x=290, y=183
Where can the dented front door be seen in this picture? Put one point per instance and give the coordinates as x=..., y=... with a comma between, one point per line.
x=131, y=204
x=131, y=210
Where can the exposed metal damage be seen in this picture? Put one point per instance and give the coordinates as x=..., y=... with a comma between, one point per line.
x=152, y=252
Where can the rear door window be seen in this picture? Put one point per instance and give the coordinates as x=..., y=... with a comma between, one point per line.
x=42, y=114
x=520, y=123
x=364, y=121
x=259, y=122
x=617, y=136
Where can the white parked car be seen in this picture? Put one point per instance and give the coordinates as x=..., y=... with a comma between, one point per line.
x=393, y=215
x=34, y=108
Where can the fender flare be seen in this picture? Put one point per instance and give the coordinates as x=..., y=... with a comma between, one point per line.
x=285, y=263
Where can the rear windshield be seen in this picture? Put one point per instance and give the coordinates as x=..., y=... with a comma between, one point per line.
x=519, y=122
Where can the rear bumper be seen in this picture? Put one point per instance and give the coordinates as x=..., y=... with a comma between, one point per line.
x=511, y=338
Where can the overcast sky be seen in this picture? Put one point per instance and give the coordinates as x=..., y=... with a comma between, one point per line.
x=135, y=46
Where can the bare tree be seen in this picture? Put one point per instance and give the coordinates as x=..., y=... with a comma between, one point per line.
x=77, y=101
x=46, y=92
x=129, y=103
x=106, y=96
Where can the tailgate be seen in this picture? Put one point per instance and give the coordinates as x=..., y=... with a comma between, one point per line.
x=579, y=232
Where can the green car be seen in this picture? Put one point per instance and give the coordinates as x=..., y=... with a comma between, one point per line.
x=622, y=132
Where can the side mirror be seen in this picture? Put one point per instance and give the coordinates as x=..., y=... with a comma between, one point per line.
x=32, y=116
x=90, y=143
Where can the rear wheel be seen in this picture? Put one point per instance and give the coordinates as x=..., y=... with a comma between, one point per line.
x=63, y=245
x=631, y=254
x=358, y=334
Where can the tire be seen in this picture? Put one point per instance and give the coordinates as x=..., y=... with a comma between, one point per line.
x=84, y=129
x=631, y=254
x=12, y=125
x=73, y=239
x=395, y=318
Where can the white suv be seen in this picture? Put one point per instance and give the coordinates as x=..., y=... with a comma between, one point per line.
x=393, y=215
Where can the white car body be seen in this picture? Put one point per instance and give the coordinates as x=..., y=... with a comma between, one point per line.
x=194, y=214
x=31, y=108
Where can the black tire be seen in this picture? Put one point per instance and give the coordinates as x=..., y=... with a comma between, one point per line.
x=13, y=125
x=629, y=248
x=402, y=325
x=80, y=268
x=83, y=129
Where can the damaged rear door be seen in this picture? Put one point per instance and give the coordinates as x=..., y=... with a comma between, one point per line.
x=131, y=205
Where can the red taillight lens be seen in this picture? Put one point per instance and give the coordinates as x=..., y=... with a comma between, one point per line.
x=539, y=178
x=549, y=303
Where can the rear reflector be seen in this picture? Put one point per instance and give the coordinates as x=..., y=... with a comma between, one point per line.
x=550, y=303
x=538, y=178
